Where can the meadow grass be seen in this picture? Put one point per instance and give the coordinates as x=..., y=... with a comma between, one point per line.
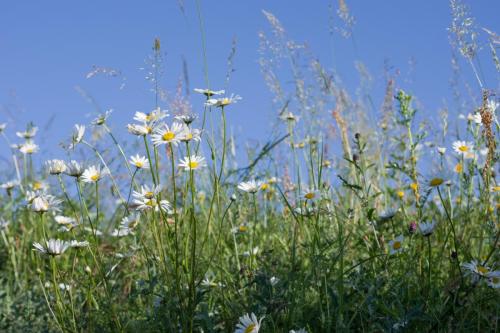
x=396, y=229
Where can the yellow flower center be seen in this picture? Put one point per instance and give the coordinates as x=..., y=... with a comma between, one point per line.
x=495, y=280
x=225, y=101
x=139, y=164
x=401, y=194
x=168, y=136
x=148, y=195
x=414, y=186
x=264, y=186
x=188, y=136
x=310, y=195
x=482, y=270
x=148, y=117
x=436, y=181
x=242, y=228
x=249, y=328
x=94, y=177
x=37, y=185
x=193, y=164
x=459, y=168
x=463, y=149
x=396, y=245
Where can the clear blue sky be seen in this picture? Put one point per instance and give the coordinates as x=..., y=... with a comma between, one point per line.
x=47, y=48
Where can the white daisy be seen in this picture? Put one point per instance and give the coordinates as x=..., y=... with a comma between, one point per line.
x=190, y=134
x=9, y=185
x=78, y=244
x=193, y=162
x=3, y=126
x=251, y=186
x=52, y=247
x=42, y=203
x=28, y=134
x=427, y=228
x=140, y=162
x=208, y=92
x=147, y=192
x=441, y=150
x=121, y=232
x=130, y=222
x=93, y=174
x=186, y=118
x=493, y=279
x=396, y=245
x=28, y=148
x=462, y=147
x=55, y=167
x=476, y=269
x=139, y=130
x=74, y=169
x=222, y=102
x=310, y=194
x=167, y=134
x=248, y=324
x=77, y=136
x=101, y=119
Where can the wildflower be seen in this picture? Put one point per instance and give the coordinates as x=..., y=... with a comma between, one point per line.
x=459, y=168
x=55, y=167
x=147, y=192
x=121, y=232
x=77, y=136
x=414, y=186
x=251, y=186
x=462, y=147
x=130, y=222
x=208, y=92
x=310, y=194
x=476, y=269
x=4, y=224
x=248, y=324
x=52, y=247
x=222, y=102
x=441, y=150
x=93, y=174
x=387, y=214
x=274, y=280
x=78, y=244
x=64, y=220
x=400, y=194
x=436, y=181
x=101, y=119
x=140, y=162
x=426, y=229
x=74, y=169
x=42, y=203
x=192, y=163
x=28, y=134
x=139, y=130
x=493, y=279
x=3, y=126
x=290, y=117
x=412, y=227
x=190, y=134
x=187, y=119
x=28, y=148
x=396, y=245
x=9, y=185
x=168, y=134
x=155, y=115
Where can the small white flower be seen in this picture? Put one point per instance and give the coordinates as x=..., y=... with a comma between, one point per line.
x=165, y=134
x=28, y=148
x=9, y=185
x=121, y=232
x=28, y=134
x=310, y=194
x=190, y=134
x=55, y=167
x=193, y=162
x=77, y=136
x=208, y=92
x=41, y=203
x=140, y=162
x=101, y=119
x=93, y=174
x=441, y=150
x=130, y=222
x=222, y=102
x=186, y=118
x=476, y=269
x=251, y=186
x=462, y=147
x=426, y=228
x=274, y=280
x=4, y=224
x=248, y=324
x=74, y=169
x=78, y=244
x=493, y=279
x=3, y=126
x=52, y=247
x=396, y=245
x=147, y=192
x=139, y=130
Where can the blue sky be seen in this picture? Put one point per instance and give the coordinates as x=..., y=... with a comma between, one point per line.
x=47, y=48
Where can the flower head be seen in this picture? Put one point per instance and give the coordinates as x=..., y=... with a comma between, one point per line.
x=93, y=174
x=77, y=136
x=28, y=148
x=55, y=167
x=222, y=102
x=208, y=92
x=426, y=228
x=28, y=134
x=396, y=245
x=42, y=202
x=186, y=118
x=463, y=148
x=140, y=162
x=52, y=247
x=101, y=119
x=166, y=134
x=251, y=186
x=192, y=162
x=248, y=324
x=493, y=279
x=74, y=169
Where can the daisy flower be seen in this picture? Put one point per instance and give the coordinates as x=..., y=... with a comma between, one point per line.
x=9, y=185
x=130, y=222
x=42, y=203
x=190, y=134
x=52, y=247
x=167, y=134
x=476, y=269
x=248, y=324
x=193, y=162
x=147, y=192
x=426, y=228
x=74, y=169
x=208, y=92
x=310, y=194
x=28, y=134
x=441, y=150
x=493, y=279
x=387, y=214
x=462, y=147
x=28, y=148
x=121, y=232
x=3, y=126
x=140, y=162
x=78, y=244
x=77, y=136
x=186, y=118
x=396, y=245
x=222, y=102
x=101, y=119
x=93, y=174
x=139, y=130
x=55, y=167
x=251, y=186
